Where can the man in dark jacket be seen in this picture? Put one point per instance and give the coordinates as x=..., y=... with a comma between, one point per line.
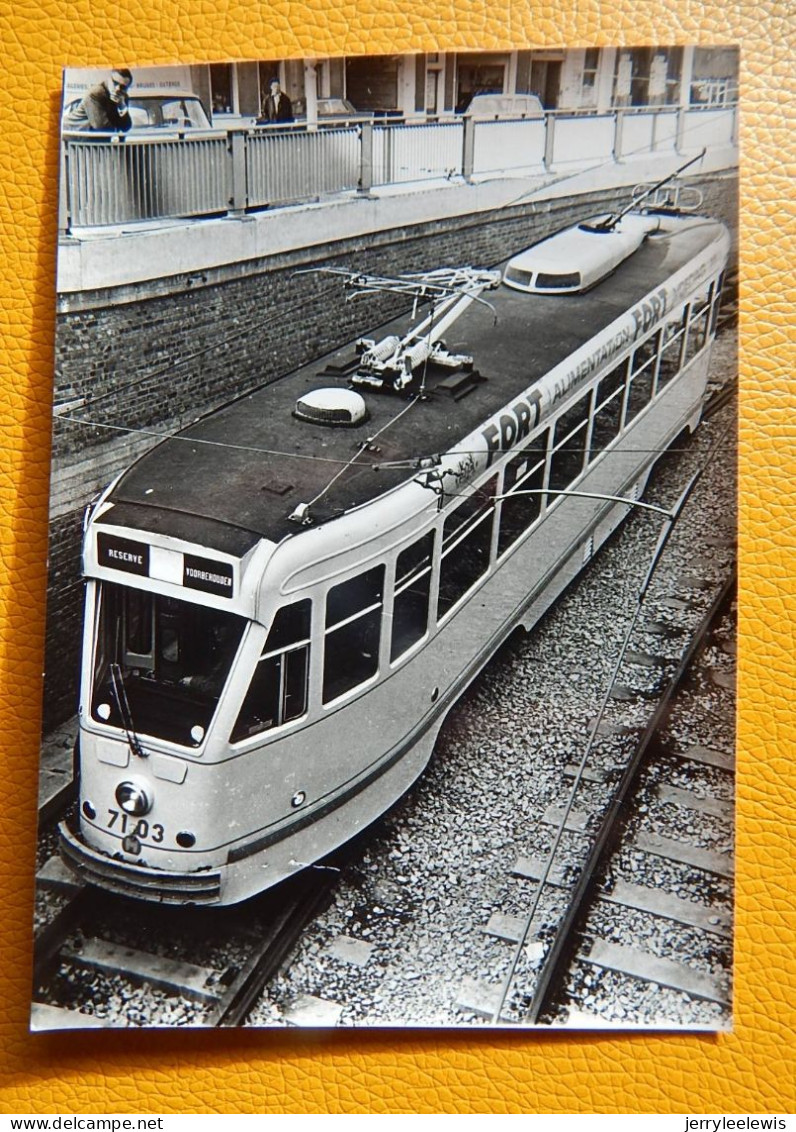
x=277, y=107
x=104, y=107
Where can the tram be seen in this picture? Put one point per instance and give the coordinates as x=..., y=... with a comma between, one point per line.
x=285, y=599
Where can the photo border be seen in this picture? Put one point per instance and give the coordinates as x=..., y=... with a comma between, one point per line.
x=397, y=1071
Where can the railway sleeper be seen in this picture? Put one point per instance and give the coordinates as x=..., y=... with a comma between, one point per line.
x=173, y=976
x=55, y=876
x=512, y=929
x=708, y=757
x=654, y=969
x=683, y=853
x=532, y=868
x=690, y=801
x=669, y=907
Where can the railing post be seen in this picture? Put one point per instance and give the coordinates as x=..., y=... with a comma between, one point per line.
x=619, y=129
x=365, y=183
x=654, y=131
x=64, y=219
x=468, y=147
x=549, y=140
x=680, y=131
x=236, y=148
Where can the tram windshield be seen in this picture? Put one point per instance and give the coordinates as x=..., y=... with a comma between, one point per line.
x=160, y=663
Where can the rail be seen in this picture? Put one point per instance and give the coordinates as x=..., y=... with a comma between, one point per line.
x=119, y=179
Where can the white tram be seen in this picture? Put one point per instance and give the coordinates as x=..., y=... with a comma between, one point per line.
x=284, y=601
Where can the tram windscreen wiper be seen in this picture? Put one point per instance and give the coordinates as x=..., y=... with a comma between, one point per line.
x=120, y=695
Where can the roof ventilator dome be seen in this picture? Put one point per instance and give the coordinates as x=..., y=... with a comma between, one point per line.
x=337, y=408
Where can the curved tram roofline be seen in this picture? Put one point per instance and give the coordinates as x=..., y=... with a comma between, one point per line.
x=279, y=613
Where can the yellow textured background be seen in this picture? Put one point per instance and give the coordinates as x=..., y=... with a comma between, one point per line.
x=748, y=1071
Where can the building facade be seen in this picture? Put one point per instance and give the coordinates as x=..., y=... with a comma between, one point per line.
x=439, y=84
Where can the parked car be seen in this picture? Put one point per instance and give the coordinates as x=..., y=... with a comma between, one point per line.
x=162, y=110
x=332, y=112
x=487, y=107
x=340, y=108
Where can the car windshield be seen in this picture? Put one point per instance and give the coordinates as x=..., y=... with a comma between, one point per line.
x=337, y=107
x=168, y=113
x=160, y=663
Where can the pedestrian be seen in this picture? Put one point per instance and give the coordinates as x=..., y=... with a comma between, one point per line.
x=104, y=107
x=277, y=107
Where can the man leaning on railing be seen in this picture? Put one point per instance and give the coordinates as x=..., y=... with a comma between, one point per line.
x=104, y=107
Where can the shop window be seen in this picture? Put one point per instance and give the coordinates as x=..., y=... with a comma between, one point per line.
x=372, y=82
x=479, y=74
x=278, y=691
x=353, y=633
x=412, y=592
x=591, y=59
x=524, y=473
x=466, y=546
x=221, y=99
x=648, y=76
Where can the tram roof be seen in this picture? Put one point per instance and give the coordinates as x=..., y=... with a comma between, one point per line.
x=235, y=476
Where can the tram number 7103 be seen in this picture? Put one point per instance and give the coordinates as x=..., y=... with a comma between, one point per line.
x=142, y=828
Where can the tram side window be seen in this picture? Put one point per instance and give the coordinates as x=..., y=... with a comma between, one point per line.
x=671, y=347
x=353, y=632
x=466, y=544
x=608, y=411
x=642, y=376
x=698, y=324
x=569, y=444
x=524, y=473
x=278, y=691
x=412, y=591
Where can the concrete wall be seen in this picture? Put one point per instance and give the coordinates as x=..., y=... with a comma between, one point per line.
x=153, y=358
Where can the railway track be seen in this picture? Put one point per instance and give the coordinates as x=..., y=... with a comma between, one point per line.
x=601, y=878
x=100, y=949
x=206, y=969
x=596, y=824
x=163, y=982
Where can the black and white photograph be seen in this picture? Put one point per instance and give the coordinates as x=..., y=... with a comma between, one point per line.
x=391, y=608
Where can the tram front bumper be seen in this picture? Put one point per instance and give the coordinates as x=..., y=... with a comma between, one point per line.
x=141, y=881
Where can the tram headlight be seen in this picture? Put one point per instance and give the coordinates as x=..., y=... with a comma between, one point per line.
x=133, y=798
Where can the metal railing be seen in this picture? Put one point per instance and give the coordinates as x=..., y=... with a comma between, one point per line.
x=285, y=167
x=109, y=183
x=111, y=180
x=421, y=152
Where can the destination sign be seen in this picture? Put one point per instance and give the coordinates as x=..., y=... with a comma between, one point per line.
x=205, y=574
x=208, y=575
x=122, y=554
